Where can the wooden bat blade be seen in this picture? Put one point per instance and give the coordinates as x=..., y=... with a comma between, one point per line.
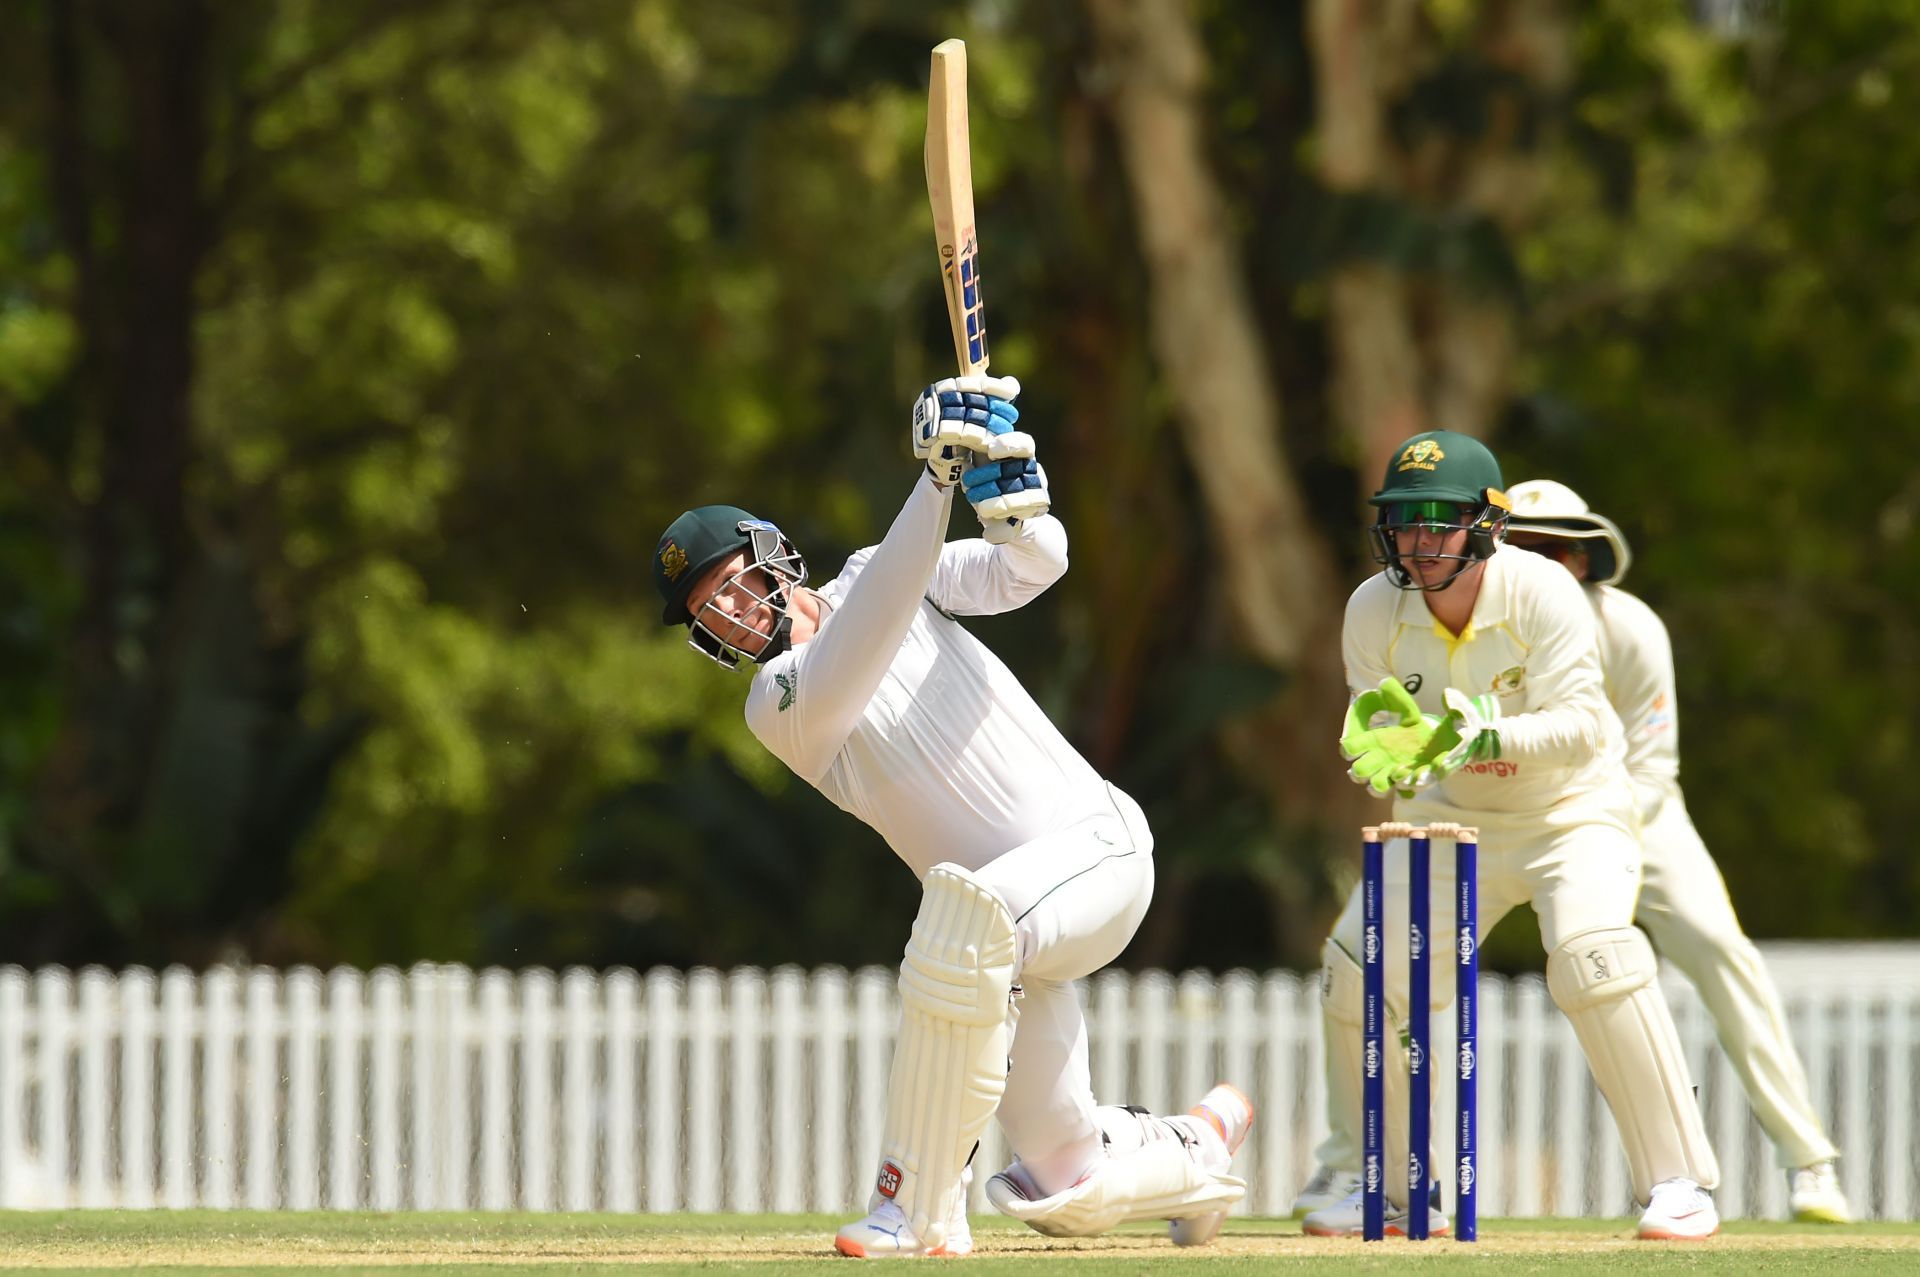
x=950, y=191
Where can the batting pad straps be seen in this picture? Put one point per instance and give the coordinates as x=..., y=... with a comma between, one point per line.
x=1158, y=1180
x=1604, y=981
x=1597, y=967
x=950, y=1060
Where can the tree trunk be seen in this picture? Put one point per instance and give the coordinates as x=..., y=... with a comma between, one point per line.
x=1281, y=592
x=1428, y=348
x=1204, y=330
x=136, y=366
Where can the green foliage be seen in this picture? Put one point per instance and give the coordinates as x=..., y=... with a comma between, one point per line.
x=1727, y=362
x=483, y=294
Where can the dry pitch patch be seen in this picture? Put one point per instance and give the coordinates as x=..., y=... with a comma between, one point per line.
x=507, y=1245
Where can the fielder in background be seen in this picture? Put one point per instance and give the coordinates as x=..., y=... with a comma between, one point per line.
x=1035, y=871
x=1479, y=700
x=1683, y=904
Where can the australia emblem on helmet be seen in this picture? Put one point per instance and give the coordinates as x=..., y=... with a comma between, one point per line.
x=673, y=560
x=1421, y=454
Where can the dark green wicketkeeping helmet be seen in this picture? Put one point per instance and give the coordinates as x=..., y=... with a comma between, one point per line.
x=1440, y=479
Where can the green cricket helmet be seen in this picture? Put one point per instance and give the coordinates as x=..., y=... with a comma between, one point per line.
x=1546, y=508
x=711, y=534
x=1439, y=480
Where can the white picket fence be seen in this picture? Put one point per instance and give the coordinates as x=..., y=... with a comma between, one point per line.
x=439, y=1088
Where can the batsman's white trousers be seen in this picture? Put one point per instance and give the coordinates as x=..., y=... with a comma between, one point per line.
x=1077, y=897
x=1685, y=909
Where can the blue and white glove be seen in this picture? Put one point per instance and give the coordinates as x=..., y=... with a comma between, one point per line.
x=959, y=416
x=1008, y=489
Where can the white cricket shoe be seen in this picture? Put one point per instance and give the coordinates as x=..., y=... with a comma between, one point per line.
x=886, y=1234
x=1679, y=1210
x=1013, y=1184
x=1328, y=1187
x=1228, y=1113
x=1813, y=1193
x=1347, y=1218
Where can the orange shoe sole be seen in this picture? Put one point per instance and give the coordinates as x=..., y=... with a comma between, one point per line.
x=854, y=1250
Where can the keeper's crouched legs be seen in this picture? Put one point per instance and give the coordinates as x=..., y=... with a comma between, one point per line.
x=1603, y=980
x=949, y=1064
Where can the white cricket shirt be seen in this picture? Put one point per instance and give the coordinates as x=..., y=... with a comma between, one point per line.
x=904, y=719
x=1531, y=642
x=1637, y=659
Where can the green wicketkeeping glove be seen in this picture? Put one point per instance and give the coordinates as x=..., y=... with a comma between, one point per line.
x=1465, y=735
x=1381, y=754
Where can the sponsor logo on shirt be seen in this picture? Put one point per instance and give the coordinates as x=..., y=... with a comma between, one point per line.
x=1500, y=769
x=789, y=684
x=1659, y=720
x=1412, y=682
x=1509, y=680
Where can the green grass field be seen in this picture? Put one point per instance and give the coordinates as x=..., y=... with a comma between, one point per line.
x=509, y=1245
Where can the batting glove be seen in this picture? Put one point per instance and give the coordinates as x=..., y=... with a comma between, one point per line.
x=959, y=416
x=1008, y=489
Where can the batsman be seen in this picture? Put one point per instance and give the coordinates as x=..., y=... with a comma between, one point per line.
x=1478, y=699
x=1035, y=872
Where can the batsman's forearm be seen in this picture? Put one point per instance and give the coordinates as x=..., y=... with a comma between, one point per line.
x=978, y=579
x=845, y=662
x=1034, y=560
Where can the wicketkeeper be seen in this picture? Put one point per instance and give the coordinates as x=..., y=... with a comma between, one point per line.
x=1036, y=872
x=1479, y=700
x=1683, y=903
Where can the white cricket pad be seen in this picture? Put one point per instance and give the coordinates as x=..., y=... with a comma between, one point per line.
x=1604, y=981
x=1157, y=1180
x=950, y=1059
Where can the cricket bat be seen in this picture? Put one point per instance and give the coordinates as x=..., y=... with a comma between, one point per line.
x=950, y=191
